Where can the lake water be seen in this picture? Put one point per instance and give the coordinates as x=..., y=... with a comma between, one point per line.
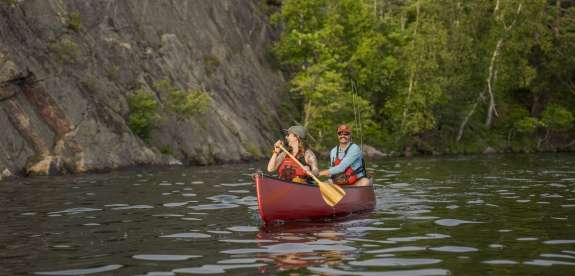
x=494, y=215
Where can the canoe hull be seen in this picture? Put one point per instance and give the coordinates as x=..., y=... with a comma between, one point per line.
x=283, y=201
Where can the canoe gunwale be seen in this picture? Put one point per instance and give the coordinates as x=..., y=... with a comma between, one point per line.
x=263, y=175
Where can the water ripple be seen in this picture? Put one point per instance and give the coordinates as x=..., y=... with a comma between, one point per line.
x=243, y=229
x=416, y=238
x=175, y=204
x=500, y=262
x=547, y=262
x=159, y=257
x=82, y=271
x=77, y=210
x=453, y=222
x=398, y=249
x=367, y=228
x=248, y=241
x=559, y=242
x=557, y=256
x=134, y=207
x=418, y=272
x=395, y=262
x=187, y=235
x=243, y=260
x=214, y=206
x=454, y=249
x=213, y=269
x=236, y=184
x=291, y=248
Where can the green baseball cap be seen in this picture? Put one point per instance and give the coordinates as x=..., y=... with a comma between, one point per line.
x=300, y=131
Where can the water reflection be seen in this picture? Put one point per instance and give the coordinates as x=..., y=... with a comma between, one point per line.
x=106, y=268
x=300, y=245
x=464, y=215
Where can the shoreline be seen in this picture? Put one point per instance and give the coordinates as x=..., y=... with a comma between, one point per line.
x=323, y=160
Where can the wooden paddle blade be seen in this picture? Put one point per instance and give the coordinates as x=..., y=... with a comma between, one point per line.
x=331, y=193
x=337, y=187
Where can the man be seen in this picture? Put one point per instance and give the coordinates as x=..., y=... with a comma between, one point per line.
x=347, y=166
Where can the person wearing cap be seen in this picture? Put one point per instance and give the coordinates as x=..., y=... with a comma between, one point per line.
x=286, y=167
x=346, y=166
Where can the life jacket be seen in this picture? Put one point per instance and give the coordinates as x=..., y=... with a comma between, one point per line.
x=289, y=170
x=349, y=176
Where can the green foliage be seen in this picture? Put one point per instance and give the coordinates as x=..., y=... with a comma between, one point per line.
x=74, y=21
x=112, y=72
x=424, y=72
x=166, y=149
x=300, y=20
x=268, y=7
x=327, y=103
x=319, y=40
x=90, y=83
x=527, y=125
x=211, y=63
x=253, y=149
x=184, y=103
x=556, y=117
x=11, y=3
x=143, y=113
x=66, y=50
x=518, y=119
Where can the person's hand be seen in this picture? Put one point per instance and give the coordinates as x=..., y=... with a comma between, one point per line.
x=277, y=146
x=324, y=173
x=307, y=169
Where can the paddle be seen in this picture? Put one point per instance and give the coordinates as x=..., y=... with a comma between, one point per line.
x=330, y=193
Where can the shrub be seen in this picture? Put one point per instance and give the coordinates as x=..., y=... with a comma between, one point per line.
x=556, y=117
x=253, y=149
x=189, y=103
x=11, y=3
x=211, y=62
x=66, y=50
x=527, y=125
x=184, y=103
x=90, y=83
x=112, y=72
x=143, y=113
x=166, y=149
x=74, y=22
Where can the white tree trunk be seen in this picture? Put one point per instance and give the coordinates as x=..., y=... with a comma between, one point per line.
x=468, y=116
x=491, y=111
x=409, y=90
x=492, y=74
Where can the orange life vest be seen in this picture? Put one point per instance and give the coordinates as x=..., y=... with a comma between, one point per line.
x=289, y=170
x=349, y=176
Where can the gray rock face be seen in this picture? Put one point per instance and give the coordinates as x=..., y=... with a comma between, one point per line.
x=68, y=68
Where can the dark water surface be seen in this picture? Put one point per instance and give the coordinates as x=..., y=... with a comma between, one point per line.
x=501, y=215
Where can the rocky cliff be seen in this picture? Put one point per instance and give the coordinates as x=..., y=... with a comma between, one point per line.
x=69, y=67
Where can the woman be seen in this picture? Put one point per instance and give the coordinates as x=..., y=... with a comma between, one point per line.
x=287, y=168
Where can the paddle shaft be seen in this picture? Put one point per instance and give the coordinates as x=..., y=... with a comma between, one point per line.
x=299, y=163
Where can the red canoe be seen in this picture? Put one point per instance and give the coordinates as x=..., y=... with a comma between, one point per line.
x=281, y=200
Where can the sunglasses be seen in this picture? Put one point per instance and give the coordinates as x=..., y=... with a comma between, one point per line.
x=343, y=133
